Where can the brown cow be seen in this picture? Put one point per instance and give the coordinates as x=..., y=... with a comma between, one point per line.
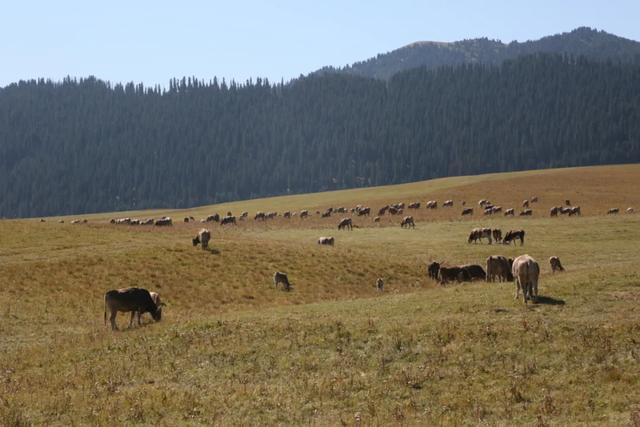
x=407, y=221
x=432, y=204
x=383, y=210
x=474, y=272
x=304, y=213
x=574, y=211
x=433, y=269
x=449, y=274
x=555, y=210
x=497, y=234
x=499, y=268
x=414, y=205
x=134, y=300
x=512, y=235
x=279, y=277
x=477, y=234
x=230, y=219
x=525, y=203
x=467, y=211
x=509, y=212
x=448, y=204
x=613, y=211
x=526, y=212
x=555, y=264
x=345, y=223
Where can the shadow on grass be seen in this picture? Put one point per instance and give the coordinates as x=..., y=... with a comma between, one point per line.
x=214, y=251
x=541, y=299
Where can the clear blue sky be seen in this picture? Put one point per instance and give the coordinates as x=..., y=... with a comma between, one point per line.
x=152, y=41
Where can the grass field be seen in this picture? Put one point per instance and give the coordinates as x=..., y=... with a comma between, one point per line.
x=232, y=350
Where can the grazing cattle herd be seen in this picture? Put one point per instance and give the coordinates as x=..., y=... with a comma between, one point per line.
x=523, y=270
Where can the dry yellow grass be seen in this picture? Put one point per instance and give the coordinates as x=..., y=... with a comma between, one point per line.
x=231, y=350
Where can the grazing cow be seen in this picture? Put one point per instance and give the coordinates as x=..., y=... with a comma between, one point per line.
x=230, y=219
x=526, y=272
x=574, y=211
x=148, y=221
x=474, y=272
x=341, y=210
x=449, y=274
x=186, y=219
x=432, y=204
x=433, y=269
x=376, y=219
x=613, y=211
x=363, y=211
x=380, y=284
x=345, y=223
x=630, y=210
x=164, y=221
x=526, y=212
x=448, y=204
x=202, y=238
x=326, y=241
x=512, y=235
x=407, y=221
x=304, y=213
x=213, y=218
x=414, y=205
x=287, y=214
x=393, y=210
x=483, y=202
x=555, y=264
x=467, y=211
x=134, y=300
x=477, y=234
x=534, y=199
x=496, y=209
x=509, y=212
x=499, y=268
x=525, y=203
x=383, y=210
x=244, y=215
x=279, y=277
x=75, y=221
x=497, y=234
x=488, y=211
x=555, y=210
x=326, y=214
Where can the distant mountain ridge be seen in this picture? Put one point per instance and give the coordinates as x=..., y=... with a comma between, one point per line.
x=582, y=41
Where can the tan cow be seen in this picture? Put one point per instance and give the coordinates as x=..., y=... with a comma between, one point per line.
x=526, y=272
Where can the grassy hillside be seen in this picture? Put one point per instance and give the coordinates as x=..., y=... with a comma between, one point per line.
x=232, y=350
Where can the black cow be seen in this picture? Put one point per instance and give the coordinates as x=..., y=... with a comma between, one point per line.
x=135, y=300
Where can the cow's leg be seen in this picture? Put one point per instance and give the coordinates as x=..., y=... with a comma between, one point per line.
x=114, y=327
x=517, y=288
x=133, y=313
x=139, y=316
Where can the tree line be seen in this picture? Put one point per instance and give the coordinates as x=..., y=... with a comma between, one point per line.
x=85, y=145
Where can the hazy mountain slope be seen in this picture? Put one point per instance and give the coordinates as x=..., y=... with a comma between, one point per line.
x=582, y=41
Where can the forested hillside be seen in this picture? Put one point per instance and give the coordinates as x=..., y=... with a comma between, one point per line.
x=582, y=41
x=86, y=146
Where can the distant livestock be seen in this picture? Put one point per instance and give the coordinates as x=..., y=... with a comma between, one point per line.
x=164, y=221
x=575, y=210
x=477, y=234
x=380, y=284
x=383, y=210
x=229, y=219
x=526, y=212
x=287, y=214
x=202, y=238
x=450, y=274
x=555, y=210
x=281, y=278
x=526, y=272
x=447, y=204
x=630, y=210
x=433, y=269
x=134, y=300
x=432, y=204
x=259, y=216
x=213, y=218
x=467, y=211
x=509, y=212
x=555, y=264
x=326, y=241
x=345, y=223
x=499, y=269
x=512, y=236
x=497, y=234
x=407, y=221
x=364, y=211
x=525, y=203
x=414, y=205
x=304, y=213
x=474, y=272
x=534, y=199
x=376, y=219
x=613, y=211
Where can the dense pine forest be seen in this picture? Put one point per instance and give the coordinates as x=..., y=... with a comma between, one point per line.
x=87, y=145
